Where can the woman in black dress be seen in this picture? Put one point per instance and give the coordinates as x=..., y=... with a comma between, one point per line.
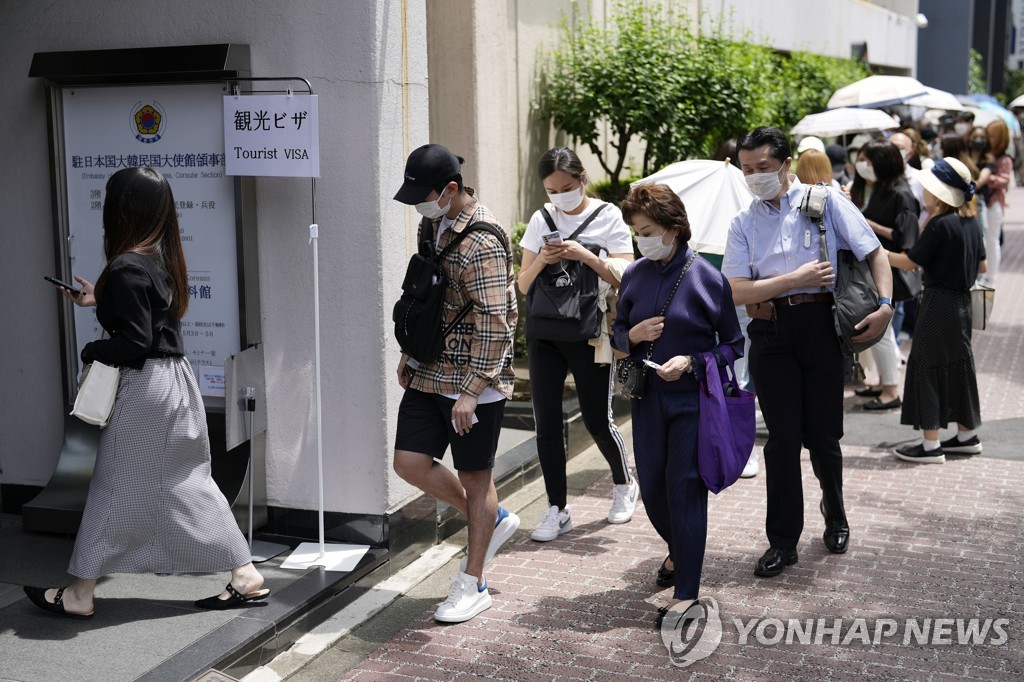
x=941, y=385
x=889, y=206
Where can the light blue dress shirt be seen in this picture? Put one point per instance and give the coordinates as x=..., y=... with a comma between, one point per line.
x=766, y=242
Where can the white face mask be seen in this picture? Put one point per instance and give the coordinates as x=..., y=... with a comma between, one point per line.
x=905, y=153
x=866, y=171
x=654, y=248
x=432, y=209
x=567, y=201
x=961, y=128
x=765, y=186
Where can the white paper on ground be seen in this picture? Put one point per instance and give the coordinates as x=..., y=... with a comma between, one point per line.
x=336, y=557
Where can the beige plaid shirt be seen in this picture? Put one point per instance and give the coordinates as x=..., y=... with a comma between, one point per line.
x=478, y=352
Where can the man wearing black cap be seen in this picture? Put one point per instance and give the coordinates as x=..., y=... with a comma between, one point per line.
x=458, y=400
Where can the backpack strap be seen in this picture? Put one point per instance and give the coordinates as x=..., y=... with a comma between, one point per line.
x=586, y=223
x=479, y=226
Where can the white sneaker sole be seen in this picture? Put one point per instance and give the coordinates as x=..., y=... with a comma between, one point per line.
x=502, y=533
x=452, y=617
x=562, y=530
x=963, y=449
x=940, y=459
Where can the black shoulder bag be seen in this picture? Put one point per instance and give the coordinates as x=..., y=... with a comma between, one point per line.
x=419, y=313
x=562, y=303
x=631, y=375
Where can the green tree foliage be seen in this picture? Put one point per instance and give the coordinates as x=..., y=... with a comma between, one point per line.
x=649, y=75
x=977, y=83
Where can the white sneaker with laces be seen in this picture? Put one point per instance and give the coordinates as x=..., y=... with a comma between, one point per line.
x=752, y=468
x=624, y=501
x=465, y=600
x=505, y=528
x=555, y=523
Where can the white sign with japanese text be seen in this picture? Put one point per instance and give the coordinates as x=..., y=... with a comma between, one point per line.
x=275, y=135
x=177, y=130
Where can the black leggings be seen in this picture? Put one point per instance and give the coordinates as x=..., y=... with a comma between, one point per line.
x=549, y=363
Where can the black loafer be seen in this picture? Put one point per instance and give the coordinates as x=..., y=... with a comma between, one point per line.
x=666, y=576
x=774, y=561
x=867, y=392
x=837, y=532
x=37, y=595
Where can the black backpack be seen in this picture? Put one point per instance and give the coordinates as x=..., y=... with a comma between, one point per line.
x=562, y=303
x=419, y=313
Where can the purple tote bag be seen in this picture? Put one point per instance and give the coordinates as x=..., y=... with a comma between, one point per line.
x=726, y=432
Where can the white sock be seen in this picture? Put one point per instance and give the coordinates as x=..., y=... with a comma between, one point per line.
x=964, y=436
x=930, y=445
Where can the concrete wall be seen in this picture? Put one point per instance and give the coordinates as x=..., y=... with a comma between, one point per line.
x=944, y=47
x=367, y=62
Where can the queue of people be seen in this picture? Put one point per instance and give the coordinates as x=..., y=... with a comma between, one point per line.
x=590, y=305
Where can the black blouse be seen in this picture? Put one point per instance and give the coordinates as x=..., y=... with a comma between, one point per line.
x=135, y=310
x=950, y=250
x=896, y=208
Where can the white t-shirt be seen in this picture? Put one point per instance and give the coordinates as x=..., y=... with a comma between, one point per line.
x=608, y=230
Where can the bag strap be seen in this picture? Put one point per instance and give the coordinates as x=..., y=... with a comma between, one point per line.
x=818, y=220
x=584, y=225
x=479, y=226
x=664, y=308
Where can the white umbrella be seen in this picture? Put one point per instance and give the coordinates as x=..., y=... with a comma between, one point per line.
x=982, y=117
x=877, y=91
x=713, y=193
x=837, y=122
x=1019, y=102
x=933, y=98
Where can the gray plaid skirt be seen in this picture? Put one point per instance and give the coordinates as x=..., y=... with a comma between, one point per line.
x=153, y=506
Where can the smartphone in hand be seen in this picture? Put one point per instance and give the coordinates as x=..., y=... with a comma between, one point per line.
x=652, y=365
x=551, y=238
x=64, y=285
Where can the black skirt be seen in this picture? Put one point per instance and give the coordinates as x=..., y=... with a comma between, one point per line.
x=941, y=386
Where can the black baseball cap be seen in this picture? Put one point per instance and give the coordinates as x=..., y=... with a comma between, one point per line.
x=836, y=155
x=428, y=168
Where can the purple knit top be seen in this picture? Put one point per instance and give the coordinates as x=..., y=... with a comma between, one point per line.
x=700, y=316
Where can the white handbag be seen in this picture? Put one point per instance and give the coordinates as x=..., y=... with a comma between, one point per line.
x=95, y=401
x=983, y=298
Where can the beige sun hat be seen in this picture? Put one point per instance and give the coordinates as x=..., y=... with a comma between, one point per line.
x=949, y=180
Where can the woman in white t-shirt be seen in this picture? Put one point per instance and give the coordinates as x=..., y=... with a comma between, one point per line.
x=565, y=181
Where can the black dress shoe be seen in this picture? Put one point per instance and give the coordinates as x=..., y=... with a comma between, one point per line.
x=773, y=561
x=37, y=595
x=666, y=576
x=837, y=532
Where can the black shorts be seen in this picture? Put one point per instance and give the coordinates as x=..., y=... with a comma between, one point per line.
x=425, y=425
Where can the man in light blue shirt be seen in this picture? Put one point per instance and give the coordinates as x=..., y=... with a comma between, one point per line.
x=771, y=260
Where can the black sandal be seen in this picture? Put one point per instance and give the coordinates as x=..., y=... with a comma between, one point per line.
x=867, y=392
x=234, y=599
x=37, y=595
x=666, y=576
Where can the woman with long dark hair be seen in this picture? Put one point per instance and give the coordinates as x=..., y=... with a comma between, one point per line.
x=889, y=206
x=152, y=506
x=942, y=385
x=572, y=213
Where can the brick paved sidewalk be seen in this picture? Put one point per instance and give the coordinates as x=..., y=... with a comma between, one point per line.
x=927, y=542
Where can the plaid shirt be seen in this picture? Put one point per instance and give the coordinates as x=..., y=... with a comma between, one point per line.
x=478, y=352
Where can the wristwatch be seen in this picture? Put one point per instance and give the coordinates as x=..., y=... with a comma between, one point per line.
x=886, y=301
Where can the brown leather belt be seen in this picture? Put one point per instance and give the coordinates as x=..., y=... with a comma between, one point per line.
x=797, y=299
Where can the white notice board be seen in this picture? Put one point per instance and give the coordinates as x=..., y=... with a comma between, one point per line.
x=177, y=130
x=274, y=135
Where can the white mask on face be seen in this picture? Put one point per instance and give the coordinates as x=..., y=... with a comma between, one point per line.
x=961, y=128
x=654, y=248
x=567, y=201
x=765, y=186
x=432, y=209
x=866, y=171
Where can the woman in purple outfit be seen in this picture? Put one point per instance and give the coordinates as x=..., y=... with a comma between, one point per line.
x=700, y=317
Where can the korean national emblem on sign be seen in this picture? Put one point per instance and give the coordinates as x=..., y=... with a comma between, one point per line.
x=148, y=121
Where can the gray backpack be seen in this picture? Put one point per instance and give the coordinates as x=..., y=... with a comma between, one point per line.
x=855, y=296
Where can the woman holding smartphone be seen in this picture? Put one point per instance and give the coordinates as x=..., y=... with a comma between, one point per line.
x=152, y=506
x=544, y=245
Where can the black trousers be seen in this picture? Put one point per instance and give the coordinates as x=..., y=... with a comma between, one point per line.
x=797, y=367
x=549, y=363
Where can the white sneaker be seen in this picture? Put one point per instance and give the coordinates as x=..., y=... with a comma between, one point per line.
x=504, y=528
x=624, y=502
x=465, y=600
x=752, y=468
x=554, y=524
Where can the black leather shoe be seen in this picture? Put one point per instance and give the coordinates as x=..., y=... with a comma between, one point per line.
x=666, y=576
x=773, y=561
x=837, y=532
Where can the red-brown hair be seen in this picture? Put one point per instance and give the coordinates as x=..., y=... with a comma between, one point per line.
x=660, y=204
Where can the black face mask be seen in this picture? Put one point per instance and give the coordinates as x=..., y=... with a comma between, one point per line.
x=978, y=144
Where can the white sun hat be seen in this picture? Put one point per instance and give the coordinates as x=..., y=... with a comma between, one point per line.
x=949, y=180
x=810, y=142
